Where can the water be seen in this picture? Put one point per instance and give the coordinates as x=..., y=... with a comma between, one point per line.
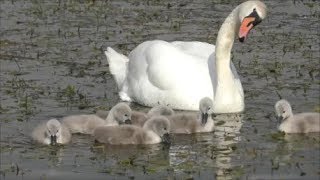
x=52, y=65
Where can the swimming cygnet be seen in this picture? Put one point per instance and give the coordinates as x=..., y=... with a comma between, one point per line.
x=52, y=132
x=187, y=123
x=139, y=118
x=85, y=124
x=160, y=110
x=296, y=123
x=155, y=130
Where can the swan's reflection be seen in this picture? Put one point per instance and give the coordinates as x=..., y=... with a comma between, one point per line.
x=207, y=150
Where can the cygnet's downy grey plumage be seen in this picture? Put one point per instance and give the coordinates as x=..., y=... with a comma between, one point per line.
x=155, y=130
x=187, y=123
x=160, y=110
x=85, y=124
x=296, y=123
x=139, y=118
x=51, y=132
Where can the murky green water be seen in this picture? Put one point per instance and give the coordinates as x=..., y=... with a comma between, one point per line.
x=52, y=65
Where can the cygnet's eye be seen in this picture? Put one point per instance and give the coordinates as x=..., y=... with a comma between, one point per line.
x=283, y=111
x=254, y=9
x=126, y=115
x=165, y=129
x=209, y=108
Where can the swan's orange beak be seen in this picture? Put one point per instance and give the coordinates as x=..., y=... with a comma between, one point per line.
x=246, y=25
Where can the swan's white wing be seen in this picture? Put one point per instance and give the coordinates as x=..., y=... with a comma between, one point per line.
x=200, y=49
x=168, y=67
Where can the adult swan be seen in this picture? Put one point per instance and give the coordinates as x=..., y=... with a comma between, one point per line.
x=179, y=74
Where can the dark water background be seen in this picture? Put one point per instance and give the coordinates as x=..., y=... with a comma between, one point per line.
x=52, y=65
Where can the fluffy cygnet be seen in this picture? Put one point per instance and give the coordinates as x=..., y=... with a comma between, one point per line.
x=187, y=123
x=296, y=123
x=52, y=132
x=139, y=118
x=160, y=111
x=155, y=130
x=85, y=124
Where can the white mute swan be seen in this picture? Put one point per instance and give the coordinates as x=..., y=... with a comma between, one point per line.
x=52, y=132
x=155, y=130
x=179, y=74
x=296, y=123
x=187, y=123
x=86, y=123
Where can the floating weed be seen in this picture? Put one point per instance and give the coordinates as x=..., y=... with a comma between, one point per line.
x=237, y=172
x=3, y=110
x=150, y=170
x=127, y=162
x=26, y=105
x=219, y=123
x=278, y=135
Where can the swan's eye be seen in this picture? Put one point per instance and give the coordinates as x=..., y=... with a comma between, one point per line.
x=126, y=115
x=165, y=129
x=254, y=9
x=283, y=111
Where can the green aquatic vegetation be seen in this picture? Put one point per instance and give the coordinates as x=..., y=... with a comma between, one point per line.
x=187, y=166
x=236, y=172
x=277, y=136
x=5, y=43
x=127, y=162
x=219, y=123
x=3, y=110
x=149, y=170
x=69, y=92
x=26, y=105
x=72, y=97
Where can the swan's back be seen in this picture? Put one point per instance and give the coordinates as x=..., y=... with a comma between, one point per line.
x=201, y=49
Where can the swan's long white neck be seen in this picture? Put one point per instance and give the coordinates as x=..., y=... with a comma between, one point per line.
x=228, y=92
x=224, y=44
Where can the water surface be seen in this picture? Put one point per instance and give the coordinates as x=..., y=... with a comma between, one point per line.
x=52, y=65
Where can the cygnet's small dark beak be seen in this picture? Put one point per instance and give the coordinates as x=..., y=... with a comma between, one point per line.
x=204, y=118
x=128, y=121
x=166, y=138
x=279, y=119
x=53, y=140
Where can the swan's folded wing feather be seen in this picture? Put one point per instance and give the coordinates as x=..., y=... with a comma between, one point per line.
x=167, y=65
x=200, y=49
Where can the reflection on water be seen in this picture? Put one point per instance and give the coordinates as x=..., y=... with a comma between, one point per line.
x=52, y=65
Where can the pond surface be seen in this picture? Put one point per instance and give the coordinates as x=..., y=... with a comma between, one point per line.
x=53, y=65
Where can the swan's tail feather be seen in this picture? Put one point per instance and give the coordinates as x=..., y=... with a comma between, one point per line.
x=117, y=65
